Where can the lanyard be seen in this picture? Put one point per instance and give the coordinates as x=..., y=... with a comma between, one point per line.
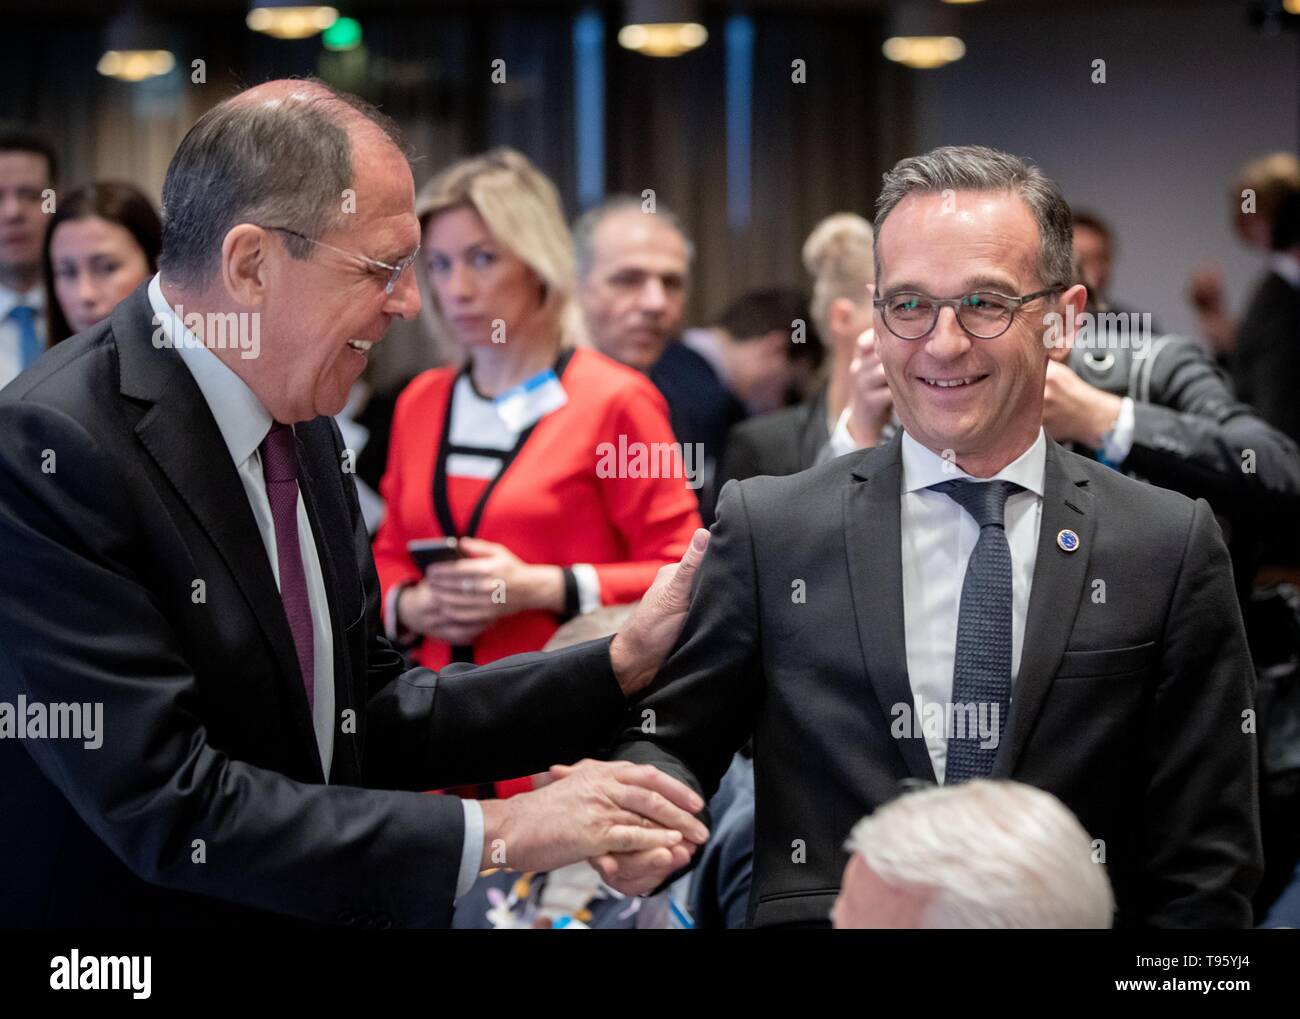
x=441, y=503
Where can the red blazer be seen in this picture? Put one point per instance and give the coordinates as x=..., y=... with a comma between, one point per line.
x=550, y=506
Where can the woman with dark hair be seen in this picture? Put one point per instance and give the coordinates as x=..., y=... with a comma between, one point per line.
x=103, y=242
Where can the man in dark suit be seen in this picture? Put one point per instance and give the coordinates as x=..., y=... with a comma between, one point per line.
x=968, y=599
x=1161, y=410
x=634, y=272
x=1167, y=414
x=188, y=579
x=1266, y=362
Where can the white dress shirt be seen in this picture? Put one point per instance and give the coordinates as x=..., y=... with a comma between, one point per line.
x=841, y=440
x=244, y=422
x=1119, y=443
x=938, y=536
x=11, y=354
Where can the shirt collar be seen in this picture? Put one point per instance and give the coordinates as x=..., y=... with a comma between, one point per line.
x=923, y=468
x=239, y=414
x=11, y=299
x=1286, y=267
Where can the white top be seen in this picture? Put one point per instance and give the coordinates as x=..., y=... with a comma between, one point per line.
x=476, y=421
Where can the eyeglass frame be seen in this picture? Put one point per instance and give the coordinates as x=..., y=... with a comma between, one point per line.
x=955, y=303
x=395, y=270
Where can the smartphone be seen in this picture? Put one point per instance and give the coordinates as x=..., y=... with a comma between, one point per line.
x=427, y=551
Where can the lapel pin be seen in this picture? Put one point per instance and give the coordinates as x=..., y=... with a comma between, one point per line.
x=1068, y=541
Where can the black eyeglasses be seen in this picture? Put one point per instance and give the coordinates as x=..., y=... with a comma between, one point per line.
x=394, y=271
x=985, y=315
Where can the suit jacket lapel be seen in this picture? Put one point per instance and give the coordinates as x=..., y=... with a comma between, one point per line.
x=181, y=435
x=1059, y=582
x=873, y=540
x=329, y=520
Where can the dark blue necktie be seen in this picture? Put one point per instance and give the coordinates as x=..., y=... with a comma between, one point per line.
x=982, y=669
x=29, y=340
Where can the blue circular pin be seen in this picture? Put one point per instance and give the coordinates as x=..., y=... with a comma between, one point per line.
x=1068, y=541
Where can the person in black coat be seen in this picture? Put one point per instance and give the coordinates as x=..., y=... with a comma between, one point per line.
x=214, y=729
x=833, y=599
x=1266, y=363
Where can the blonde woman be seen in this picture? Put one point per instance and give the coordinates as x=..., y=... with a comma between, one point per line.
x=854, y=407
x=515, y=452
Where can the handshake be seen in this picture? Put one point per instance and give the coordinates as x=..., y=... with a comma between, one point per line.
x=633, y=822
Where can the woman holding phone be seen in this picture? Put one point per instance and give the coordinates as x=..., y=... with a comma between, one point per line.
x=515, y=452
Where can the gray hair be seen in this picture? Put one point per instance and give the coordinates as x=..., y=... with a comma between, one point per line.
x=994, y=854
x=283, y=164
x=584, y=228
x=977, y=168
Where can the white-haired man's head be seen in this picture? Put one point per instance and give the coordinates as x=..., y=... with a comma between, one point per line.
x=984, y=854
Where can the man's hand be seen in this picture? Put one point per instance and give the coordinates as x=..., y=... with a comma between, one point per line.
x=1074, y=411
x=590, y=810
x=870, y=401
x=645, y=640
x=637, y=872
x=640, y=873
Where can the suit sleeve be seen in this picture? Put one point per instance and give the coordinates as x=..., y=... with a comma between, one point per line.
x=517, y=716
x=655, y=516
x=79, y=622
x=701, y=708
x=1197, y=438
x=1202, y=855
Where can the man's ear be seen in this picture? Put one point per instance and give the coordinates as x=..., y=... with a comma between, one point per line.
x=244, y=263
x=1059, y=334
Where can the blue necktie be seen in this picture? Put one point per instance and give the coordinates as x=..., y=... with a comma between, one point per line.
x=982, y=669
x=29, y=340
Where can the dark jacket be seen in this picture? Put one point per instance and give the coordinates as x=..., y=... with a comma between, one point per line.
x=205, y=803
x=1130, y=710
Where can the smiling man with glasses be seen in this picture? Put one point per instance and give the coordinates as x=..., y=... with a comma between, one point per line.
x=185, y=549
x=968, y=600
